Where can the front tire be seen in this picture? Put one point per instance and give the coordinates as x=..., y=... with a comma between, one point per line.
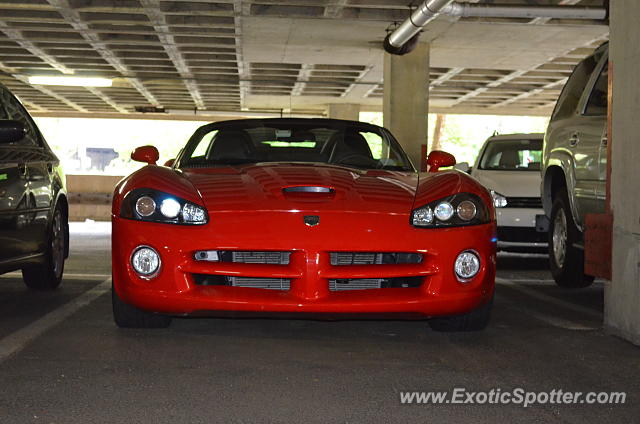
x=476, y=320
x=127, y=316
x=48, y=275
x=565, y=259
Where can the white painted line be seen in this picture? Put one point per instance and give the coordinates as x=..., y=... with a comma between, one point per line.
x=525, y=280
x=550, y=299
x=70, y=276
x=551, y=320
x=18, y=340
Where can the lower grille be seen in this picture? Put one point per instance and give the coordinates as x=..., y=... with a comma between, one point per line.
x=271, y=258
x=374, y=283
x=369, y=258
x=524, y=202
x=521, y=234
x=260, y=283
x=355, y=284
x=252, y=282
x=336, y=259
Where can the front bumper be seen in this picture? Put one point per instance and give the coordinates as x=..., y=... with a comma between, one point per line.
x=175, y=291
x=517, y=230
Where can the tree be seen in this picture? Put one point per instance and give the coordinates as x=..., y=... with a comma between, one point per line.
x=436, y=141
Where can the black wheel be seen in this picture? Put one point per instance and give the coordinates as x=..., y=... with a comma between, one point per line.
x=48, y=275
x=565, y=259
x=476, y=320
x=127, y=316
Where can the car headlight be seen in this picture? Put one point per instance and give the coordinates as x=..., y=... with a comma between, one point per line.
x=151, y=205
x=453, y=211
x=499, y=201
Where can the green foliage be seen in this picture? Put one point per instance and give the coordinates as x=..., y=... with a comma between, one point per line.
x=464, y=135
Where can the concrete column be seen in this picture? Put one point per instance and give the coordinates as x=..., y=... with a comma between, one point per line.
x=622, y=294
x=406, y=99
x=348, y=111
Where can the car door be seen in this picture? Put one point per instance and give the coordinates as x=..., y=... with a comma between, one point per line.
x=591, y=138
x=29, y=205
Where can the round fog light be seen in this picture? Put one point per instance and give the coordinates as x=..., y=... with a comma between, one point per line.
x=145, y=261
x=467, y=265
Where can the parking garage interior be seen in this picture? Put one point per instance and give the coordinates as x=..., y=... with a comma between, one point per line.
x=62, y=359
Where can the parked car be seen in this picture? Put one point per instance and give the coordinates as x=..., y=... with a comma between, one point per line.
x=301, y=217
x=509, y=166
x=574, y=166
x=34, y=232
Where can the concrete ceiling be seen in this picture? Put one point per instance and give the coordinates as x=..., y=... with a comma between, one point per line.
x=272, y=55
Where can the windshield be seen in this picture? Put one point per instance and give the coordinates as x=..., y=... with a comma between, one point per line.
x=294, y=140
x=512, y=155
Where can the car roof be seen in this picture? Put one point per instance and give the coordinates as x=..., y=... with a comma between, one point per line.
x=518, y=136
x=285, y=121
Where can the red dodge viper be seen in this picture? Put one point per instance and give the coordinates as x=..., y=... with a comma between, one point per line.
x=311, y=218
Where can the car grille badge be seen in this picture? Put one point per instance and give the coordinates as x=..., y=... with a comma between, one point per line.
x=311, y=220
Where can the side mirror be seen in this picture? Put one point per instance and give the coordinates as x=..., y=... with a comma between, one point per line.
x=146, y=154
x=462, y=166
x=438, y=159
x=11, y=131
x=170, y=163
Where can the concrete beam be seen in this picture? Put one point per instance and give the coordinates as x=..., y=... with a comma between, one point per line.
x=159, y=22
x=108, y=100
x=73, y=17
x=17, y=36
x=241, y=9
x=334, y=9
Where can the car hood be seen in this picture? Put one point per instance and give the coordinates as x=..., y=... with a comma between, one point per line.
x=259, y=187
x=510, y=183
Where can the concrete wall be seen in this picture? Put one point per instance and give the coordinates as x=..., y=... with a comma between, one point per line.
x=346, y=111
x=90, y=196
x=622, y=294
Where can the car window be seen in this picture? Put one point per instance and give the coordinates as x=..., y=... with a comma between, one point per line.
x=572, y=91
x=597, y=104
x=512, y=155
x=361, y=146
x=203, y=146
x=15, y=111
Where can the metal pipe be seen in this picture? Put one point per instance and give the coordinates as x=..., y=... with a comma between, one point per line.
x=405, y=37
x=424, y=14
x=468, y=10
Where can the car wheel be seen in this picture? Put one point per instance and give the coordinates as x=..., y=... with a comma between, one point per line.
x=127, y=316
x=565, y=259
x=476, y=320
x=48, y=275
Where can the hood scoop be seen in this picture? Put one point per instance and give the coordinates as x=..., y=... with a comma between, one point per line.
x=308, y=189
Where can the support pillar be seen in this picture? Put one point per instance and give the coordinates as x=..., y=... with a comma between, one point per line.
x=348, y=111
x=622, y=294
x=406, y=99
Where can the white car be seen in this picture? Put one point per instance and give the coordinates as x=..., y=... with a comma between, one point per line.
x=509, y=166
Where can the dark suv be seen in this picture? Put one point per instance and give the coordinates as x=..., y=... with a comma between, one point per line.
x=34, y=231
x=574, y=166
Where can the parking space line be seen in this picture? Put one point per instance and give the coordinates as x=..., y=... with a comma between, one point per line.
x=550, y=299
x=17, y=341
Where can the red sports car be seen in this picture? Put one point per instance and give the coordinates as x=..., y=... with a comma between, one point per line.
x=301, y=217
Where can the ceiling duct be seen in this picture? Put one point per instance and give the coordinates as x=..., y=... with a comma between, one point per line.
x=405, y=37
